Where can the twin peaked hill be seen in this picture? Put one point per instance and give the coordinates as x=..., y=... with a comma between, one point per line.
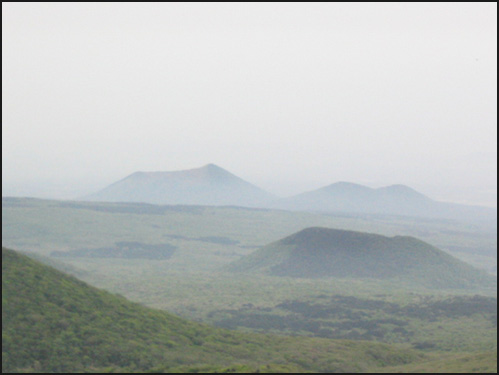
x=390, y=200
x=212, y=185
x=350, y=197
x=323, y=252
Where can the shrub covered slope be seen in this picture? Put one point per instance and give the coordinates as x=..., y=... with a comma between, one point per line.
x=52, y=322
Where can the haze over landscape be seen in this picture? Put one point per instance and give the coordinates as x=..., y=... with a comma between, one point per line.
x=290, y=97
x=249, y=187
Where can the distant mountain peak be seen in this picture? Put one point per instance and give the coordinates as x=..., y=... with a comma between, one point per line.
x=351, y=197
x=212, y=166
x=345, y=183
x=206, y=185
x=208, y=167
x=346, y=186
x=214, y=170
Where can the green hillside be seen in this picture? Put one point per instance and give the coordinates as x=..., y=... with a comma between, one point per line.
x=52, y=322
x=324, y=252
x=464, y=364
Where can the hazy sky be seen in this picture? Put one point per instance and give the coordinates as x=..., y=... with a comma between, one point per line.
x=290, y=97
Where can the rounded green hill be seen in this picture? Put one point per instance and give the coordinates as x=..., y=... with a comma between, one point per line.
x=323, y=252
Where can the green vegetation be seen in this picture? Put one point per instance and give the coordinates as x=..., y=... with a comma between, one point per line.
x=123, y=249
x=190, y=283
x=44, y=226
x=460, y=363
x=253, y=303
x=324, y=252
x=459, y=323
x=52, y=322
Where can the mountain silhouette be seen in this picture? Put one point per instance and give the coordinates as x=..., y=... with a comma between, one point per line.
x=348, y=197
x=208, y=185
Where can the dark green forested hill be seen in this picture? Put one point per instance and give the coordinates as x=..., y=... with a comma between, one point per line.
x=52, y=322
x=325, y=252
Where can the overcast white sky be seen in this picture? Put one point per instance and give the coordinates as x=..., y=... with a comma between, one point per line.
x=290, y=97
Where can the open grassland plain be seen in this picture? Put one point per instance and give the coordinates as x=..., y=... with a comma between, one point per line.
x=214, y=236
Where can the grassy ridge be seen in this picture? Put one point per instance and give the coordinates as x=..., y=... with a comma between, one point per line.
x=52, y=322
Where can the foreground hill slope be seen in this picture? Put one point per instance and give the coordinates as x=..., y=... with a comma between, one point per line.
x=52, y=322
x=208, y=185
x=390, y=200
x=464, y=364
x=323, y=252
